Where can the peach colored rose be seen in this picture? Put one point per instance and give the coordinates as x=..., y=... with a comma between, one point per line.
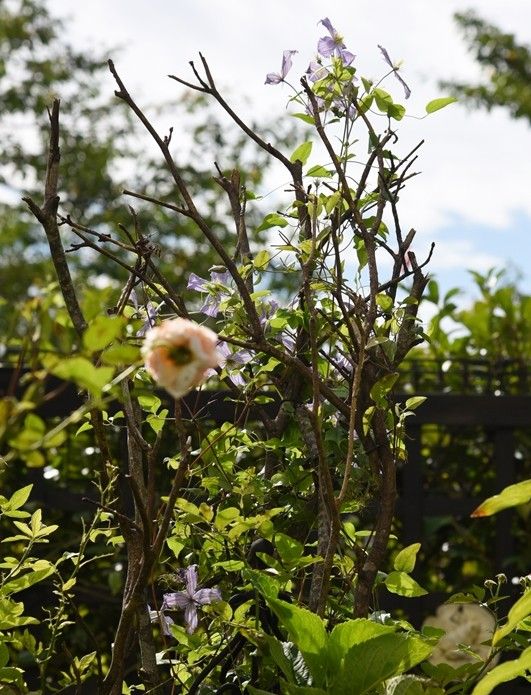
x=178, y=354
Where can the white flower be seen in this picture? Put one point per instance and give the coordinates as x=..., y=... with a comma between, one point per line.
x=464, y=623
x=178, y=354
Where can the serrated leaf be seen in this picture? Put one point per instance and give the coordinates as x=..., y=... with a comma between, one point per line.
x=402, y=584
x=302, y=153
x=511, y=496
x=440, y=103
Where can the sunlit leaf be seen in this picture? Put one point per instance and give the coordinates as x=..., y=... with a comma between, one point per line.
x=437, y=104
x=511, y=496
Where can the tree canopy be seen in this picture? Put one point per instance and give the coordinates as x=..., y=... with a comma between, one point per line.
x=506, y=64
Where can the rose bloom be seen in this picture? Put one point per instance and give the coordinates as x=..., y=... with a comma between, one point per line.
x=178, y=354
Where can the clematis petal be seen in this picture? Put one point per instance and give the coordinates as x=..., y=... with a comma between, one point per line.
x=326, y=46
x=196, y=283
x=210, y=307
x=407, y=90
x=286, y=62
x=176, y=599
x=205, y=596
x=386, y=57
x=191, y=618
x=328, y=25
x=346, y=56
x=273, y=78
x=190, y=575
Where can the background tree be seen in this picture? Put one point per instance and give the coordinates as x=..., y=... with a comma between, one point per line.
x=100, y=145
x=506, y=65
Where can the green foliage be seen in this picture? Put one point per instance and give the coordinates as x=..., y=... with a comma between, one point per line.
x=206, y=549
x=506, y=64
x=511, y=496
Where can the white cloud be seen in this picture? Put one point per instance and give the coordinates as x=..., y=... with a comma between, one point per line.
x=475, y=166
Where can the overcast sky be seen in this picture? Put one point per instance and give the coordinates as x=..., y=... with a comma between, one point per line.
x=474, y=195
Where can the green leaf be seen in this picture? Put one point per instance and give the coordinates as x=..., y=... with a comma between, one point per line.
x=225, y=516
x=230, y=565
x=11, y=615
x=411, y=685
x=511, y=496
x=440, y=103
x=405, y=560
x=272, y=220
x=369, y=664
x=302, y=153
x=304, y=117
x=382, y=387
x=319, y=171
x=261, y=259
x=345, y=635
x=402, y=584
x=502, y=673
x=520, y=610
x=84, y=374
x=307, y=631
x=17, y=499
x=384, y=301
x=28, y=579
x=414, y=402
x=289, y=549
x=102, y=331
x=383, y=99
x=121, y=354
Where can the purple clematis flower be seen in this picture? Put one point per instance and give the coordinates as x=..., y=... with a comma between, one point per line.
x=278, y=77
x=333, y=44
x=162, y=619
x=216, y=287
x=407, y=90
x=233, y=360
x=191, y=599
x=315, y=71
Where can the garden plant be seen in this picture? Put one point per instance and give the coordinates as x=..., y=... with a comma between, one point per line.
x=239, y=432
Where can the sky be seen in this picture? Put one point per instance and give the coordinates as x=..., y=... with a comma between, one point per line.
x=473, y=195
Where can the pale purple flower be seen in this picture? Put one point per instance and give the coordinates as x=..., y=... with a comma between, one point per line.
x=278, y=77
x=315, y=71
x=216, y=288
x=407, y=90
x=162, y=619
x=191, y=599
x=151, y=313
x=268, y=309
x=234, y=360
x=333, y=44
